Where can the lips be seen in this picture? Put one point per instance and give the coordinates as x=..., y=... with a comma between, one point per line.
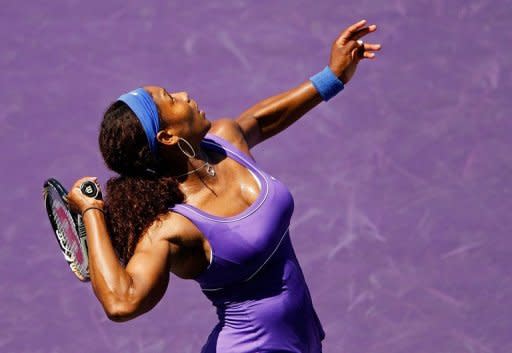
x=196, y=106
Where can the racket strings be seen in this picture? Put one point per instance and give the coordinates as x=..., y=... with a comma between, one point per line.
x=65, y=231
x=69, y=238
x=68, y=228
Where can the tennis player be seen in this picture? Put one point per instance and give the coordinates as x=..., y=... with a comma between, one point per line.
x=190, y=199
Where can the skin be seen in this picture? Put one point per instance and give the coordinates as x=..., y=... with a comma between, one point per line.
x=174, y=244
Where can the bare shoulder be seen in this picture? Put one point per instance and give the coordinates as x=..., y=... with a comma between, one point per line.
x=230, y=130
x=174, y=228
x=189, y=251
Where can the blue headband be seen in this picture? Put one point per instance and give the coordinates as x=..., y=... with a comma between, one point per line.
x=145, y=109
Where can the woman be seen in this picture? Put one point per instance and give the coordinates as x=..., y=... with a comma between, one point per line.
x=190, y=200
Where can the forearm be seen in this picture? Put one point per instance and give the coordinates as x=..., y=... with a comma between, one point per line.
x=110, y=281
x=276, y=113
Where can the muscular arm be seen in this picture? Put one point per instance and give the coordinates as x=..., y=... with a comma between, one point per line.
x=125, y=292
x=274, y=114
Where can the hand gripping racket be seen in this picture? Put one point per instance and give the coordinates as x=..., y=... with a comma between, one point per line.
x=68, y=226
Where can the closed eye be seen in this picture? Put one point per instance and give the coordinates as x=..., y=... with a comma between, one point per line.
x=170, y=96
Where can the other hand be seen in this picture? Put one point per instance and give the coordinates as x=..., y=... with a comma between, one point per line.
x=348, y=49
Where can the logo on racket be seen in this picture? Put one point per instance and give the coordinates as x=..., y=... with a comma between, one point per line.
x=89, y=189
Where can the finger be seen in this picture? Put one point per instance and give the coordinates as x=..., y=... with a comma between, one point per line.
x=95, y=181
x=359, y=33
x=80, y=181
x=352, y=45
x=372, y=47
x=368, y=55
x=357, y=53
x=355, y=27
x=357, y=50
x=347, y=33
x=364, y=31
x=89, y=178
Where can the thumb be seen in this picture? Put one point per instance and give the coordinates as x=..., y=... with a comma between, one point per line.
x=353, y=45
x=356, y=49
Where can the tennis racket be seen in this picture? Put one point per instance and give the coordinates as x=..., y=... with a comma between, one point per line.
x=68, y=226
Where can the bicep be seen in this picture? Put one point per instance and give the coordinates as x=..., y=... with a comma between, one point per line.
x=149, y=272
x=250, y=129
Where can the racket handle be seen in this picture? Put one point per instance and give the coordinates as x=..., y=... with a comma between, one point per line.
x=90, y=189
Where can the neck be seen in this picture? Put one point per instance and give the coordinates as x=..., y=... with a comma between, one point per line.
x=188, y=170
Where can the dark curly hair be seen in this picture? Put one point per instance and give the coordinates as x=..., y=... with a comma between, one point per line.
x=137, y=197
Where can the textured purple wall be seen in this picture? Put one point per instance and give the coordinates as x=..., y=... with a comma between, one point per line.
x=401, y=183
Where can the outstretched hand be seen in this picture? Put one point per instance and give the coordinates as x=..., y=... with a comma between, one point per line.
x=348, y=49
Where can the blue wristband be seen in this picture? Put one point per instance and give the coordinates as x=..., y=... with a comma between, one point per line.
x=327, y=83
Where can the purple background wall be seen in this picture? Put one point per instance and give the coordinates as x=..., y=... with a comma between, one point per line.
x=402, y=182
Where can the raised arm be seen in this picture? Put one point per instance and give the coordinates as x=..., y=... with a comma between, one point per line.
x=274, y=114
x=124, y=293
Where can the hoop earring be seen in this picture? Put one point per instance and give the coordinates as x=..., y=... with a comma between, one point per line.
x=189, y=155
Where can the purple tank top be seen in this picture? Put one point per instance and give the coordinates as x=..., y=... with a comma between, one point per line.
x=254, y=279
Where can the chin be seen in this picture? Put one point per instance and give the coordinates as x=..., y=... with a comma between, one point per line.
x=207, y=127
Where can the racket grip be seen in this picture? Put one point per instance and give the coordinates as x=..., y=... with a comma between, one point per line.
x=90, y=189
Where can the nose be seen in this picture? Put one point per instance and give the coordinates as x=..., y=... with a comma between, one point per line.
x=182, y=95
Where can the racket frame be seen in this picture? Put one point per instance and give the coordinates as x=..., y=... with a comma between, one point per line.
x=75, y=250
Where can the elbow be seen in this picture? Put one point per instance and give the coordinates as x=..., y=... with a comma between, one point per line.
x=117, y=317
x=119, y=311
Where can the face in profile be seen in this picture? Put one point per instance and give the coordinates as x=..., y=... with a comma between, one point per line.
x=180, y=115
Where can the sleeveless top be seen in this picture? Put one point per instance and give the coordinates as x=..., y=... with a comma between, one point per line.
x=254, y=279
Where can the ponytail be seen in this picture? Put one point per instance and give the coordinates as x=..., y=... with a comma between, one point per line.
x=132, y=204
x=136, y=197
